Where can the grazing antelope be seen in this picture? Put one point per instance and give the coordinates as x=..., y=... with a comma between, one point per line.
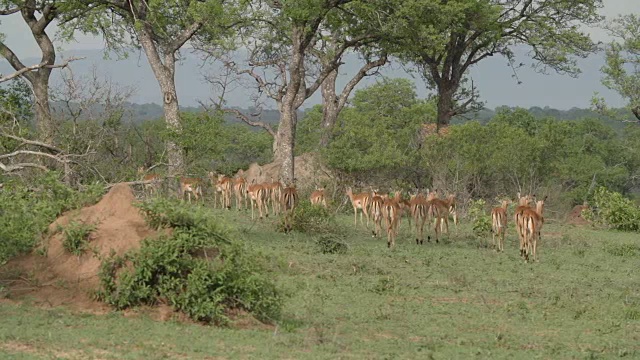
x=258, y=197
x=533, y=220
x=318, y=198
x=523, y=204
x=223, y=186
x=499, y=224
x=154, y=181
x=288, y=201
x=274, y=194
x=420, y=214
x=191, y=186
x=376, y=213
x=361, y=202
x=438, y=209
x=391, y=213
x=453, y=208
x=240, y=191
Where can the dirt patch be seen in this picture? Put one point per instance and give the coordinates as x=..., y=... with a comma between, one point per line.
x=575, y=216
x=309, y=171
x=60, y=278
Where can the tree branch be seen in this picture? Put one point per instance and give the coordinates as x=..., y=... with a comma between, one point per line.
x=9, y=11
x=20, y=166
x=356, y=79
x=184, y=36
x=32, y=142
x=246, y=119
x=25, y=69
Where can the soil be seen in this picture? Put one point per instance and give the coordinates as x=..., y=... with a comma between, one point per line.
x=309, y=171
x=575, y=216
x=60, y=278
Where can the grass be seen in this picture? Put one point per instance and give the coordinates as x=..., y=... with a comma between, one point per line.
x=456, y=299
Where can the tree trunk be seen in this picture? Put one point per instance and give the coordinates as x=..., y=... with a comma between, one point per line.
x=44, y=121
x=445, y=106
x=165, y=75
x=330, y=107
x=284, y=143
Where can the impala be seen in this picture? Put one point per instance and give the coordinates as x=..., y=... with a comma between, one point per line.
x=533, y=220
x=240, y=191
x=499, y=224
x=224, y=185
x=453, y=208
x=438, y=209
x=191, y=186
x=318, y=198
x=154, y=181
x=289, y=200
x=274, y=195
x=420, y=213
x=376, y=213
x=258, y=197
x=391, y=213
x=523, y=204
x=359, y=202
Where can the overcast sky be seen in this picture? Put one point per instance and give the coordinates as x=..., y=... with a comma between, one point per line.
x=494, y=81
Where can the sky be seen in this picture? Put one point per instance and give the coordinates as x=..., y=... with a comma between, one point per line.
x=492, y=77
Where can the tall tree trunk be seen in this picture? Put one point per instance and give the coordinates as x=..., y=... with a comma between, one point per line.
x=445, y=105
x=284, y=144
x=44, y=121
x=165, y=75
x=330, y=107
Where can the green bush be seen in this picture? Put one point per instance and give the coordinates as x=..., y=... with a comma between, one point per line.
x=76, y=237
x=613, y=210
x=331, y=244
x=27, y=209
x=199, y=269
x=311, y=219
x=479, y=218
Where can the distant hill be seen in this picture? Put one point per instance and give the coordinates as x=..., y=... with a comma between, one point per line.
x=138, y=113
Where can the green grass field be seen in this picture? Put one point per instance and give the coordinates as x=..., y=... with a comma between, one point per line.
x=454, y=300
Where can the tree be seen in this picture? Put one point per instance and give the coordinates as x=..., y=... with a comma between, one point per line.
x=622, y=68
x=161, y=30
x=39, y=75
x=284, y=35
x=446, y=38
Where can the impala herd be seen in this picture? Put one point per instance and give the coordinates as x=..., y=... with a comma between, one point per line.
x=275, y=198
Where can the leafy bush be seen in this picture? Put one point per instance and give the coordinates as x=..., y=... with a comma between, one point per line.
x=479, y=218
x=331, y=244
x=199, y=269
x=76, y=237
x=613, y=210
x=311, y=219
x=27, y=209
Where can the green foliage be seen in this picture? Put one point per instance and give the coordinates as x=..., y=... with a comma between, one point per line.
x=613, y=210
x=16, y=101
x=26, y=210
x=198, y=269
x=622, y=68
x=479, y=219
x=311, y=219
x=76, y=236
x=331, y=244
x=377, y=137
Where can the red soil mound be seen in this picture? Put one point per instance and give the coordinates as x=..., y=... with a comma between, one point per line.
x=61, y=278
x=575, y=216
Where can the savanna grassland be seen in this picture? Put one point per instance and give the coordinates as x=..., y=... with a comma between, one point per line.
x=455, y=299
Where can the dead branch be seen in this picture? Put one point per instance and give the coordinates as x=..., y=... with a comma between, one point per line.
x=32, y=142
x=39, y=66
x=238, y=114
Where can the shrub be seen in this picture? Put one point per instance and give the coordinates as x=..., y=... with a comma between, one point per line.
x=481, y=221
x=76, y=237
x=27, y=209
x=311, y=219
x=198, y=270
x=613, y=210
x=331, y=244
